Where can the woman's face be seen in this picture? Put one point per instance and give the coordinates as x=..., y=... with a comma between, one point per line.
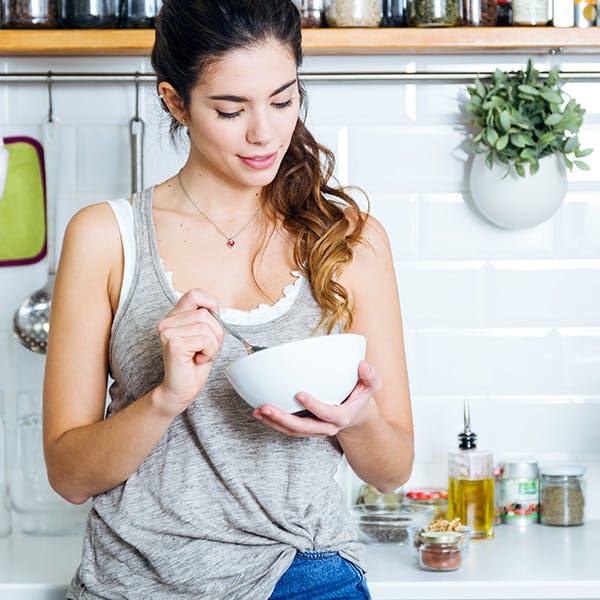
x=243, y=112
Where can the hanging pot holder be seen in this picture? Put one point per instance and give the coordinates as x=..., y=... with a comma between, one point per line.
x=23, y=205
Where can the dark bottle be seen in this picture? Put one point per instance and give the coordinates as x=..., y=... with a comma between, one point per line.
x=140, y=14
x=503, y=13
x=29, y=14
x=393, y=13
x=90, y=14
x=312, y=13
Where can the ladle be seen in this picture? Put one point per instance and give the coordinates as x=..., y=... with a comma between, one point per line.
x=31, y=321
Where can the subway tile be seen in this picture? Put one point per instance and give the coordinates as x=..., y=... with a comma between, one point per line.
x=103, y=159
x=398, y=213
x=543, y=293
x=449, y=229
x=579, y=367
x=485, y=361
x=577, y=226
x=406, y=159
x=442, y=294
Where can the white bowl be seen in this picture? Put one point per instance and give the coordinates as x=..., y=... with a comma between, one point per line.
x=324, y=366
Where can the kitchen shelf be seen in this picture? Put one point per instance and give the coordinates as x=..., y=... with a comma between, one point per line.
x=453, y=40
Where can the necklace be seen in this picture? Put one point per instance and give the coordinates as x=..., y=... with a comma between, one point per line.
x=230, y=239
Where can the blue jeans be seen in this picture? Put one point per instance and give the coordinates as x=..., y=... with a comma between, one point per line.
x=321, y=576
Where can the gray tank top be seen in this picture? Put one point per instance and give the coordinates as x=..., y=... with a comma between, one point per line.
x=222, y=503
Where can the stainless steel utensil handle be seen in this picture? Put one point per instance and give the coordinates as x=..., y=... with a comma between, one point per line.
x=51, y=145
x=136, y=133
x=227, y=328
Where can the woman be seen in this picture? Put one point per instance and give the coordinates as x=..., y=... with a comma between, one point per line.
x=196, y=495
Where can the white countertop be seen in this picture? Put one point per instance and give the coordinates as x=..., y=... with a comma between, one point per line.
x=530, y=563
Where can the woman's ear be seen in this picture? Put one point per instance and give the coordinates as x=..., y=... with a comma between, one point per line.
x=173, y=101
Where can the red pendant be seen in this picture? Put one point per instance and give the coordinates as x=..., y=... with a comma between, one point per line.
x=230, y=243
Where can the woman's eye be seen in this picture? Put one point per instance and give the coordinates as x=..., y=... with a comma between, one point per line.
x=226, y=115
x=283, y=104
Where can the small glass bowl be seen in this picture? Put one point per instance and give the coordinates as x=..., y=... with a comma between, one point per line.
x=378, y=523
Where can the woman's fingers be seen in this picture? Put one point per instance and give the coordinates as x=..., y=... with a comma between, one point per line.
x=194, y=299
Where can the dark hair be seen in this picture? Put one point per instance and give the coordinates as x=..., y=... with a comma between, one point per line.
x=191, y=35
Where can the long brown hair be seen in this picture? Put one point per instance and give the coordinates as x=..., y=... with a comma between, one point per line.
x=325, y=221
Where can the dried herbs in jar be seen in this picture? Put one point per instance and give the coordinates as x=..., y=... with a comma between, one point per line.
x=562, y=497
x=29, y=14
x=433, y=13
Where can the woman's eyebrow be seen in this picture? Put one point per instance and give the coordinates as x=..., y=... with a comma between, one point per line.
x=230, y=98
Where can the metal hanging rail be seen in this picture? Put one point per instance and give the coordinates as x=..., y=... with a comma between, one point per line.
x=434, y=76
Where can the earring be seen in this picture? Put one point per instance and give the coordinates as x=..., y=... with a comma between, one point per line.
x=184, y=121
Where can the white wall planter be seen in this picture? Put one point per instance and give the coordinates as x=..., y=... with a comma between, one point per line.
x=514, y=202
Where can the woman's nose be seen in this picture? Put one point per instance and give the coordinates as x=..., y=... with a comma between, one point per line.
x=260, y=129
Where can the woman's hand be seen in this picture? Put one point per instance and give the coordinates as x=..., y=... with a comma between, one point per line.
x=190, y=338
x=329, y=420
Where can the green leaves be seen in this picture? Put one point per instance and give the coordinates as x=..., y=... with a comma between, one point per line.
x=521, y=117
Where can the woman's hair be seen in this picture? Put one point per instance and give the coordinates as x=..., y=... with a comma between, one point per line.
x=191, y=35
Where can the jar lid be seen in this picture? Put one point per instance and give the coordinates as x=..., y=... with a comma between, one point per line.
x=520, y=470
x=441, y=537
x=427, y=494
x=562, y=470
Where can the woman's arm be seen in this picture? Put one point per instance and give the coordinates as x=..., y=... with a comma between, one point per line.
x=374, y=425
x=86, y=454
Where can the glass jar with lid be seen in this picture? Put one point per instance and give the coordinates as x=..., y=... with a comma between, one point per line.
x=140, y=14
x=428, y=496
x=29, y=14
x=433, y=13
x=89, y=14
x=354, y=13
x=392, y=13
x=562, y=495
x=441, y=550
x=312, y=13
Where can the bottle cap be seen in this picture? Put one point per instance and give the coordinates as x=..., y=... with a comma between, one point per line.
x=467, y=439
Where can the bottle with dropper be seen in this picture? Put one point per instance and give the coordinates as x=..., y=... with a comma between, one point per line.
x=471, y=483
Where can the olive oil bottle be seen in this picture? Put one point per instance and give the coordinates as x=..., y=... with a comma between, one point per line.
x=471, y=483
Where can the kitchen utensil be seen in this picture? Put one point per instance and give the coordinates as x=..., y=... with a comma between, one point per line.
x=324, y=366
x=31, y=321
x=250, y=348
x=136, y=136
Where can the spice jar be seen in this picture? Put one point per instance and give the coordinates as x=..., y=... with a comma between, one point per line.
x=90, y=14
x=392, y=13
x=433, y=13
x=312, y=13
x=503, y=13
x=140, y=13
x=29, y=14
x=530, y=12
x=354, y=13
x=562, y=495
x=440, y=550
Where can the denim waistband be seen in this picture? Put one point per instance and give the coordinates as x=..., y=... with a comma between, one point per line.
x=316, y=554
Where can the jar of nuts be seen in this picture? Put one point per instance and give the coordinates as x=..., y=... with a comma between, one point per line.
x=354, y=13
x=433, y=13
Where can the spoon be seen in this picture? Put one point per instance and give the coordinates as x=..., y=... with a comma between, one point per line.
x=250, y=348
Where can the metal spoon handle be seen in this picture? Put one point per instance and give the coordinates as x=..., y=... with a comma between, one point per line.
x=233, y=332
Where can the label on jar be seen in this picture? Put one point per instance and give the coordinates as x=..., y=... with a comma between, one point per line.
x=530, y=12
x=519, y=501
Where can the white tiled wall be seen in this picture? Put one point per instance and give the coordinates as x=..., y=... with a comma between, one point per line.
x=509, y=319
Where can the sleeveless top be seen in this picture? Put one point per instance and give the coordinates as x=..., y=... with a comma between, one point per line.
x=222, y=503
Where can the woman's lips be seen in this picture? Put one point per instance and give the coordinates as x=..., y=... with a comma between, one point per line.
x=259, y=162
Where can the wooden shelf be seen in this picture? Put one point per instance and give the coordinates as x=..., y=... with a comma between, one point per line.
x=453, y=40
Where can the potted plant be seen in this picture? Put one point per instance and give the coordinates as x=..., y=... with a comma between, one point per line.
x=525, y=135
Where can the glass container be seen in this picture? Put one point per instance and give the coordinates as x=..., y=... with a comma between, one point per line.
x=562, y=495
x=140, y=14
x=37, y=508
x=89, y=14
x=378, y=523
x=433, y=13
x=530, y=12
x=368, y=494
x=354, y=13
x=503, y=13
x=5, y=526
x=438, y=498
x=29, y=14
x=393, y=13
x=441, y=550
